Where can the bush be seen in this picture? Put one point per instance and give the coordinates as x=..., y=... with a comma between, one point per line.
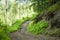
x=37, y=28
x=15, y=26
x=3, y=32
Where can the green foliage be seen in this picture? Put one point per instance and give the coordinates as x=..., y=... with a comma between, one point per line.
x=6, y=29
x=37, y=28
x=3, y=32
x=3, y=35
x=40, y=5
x=14, y=9
x=16, y=25
x=53, y=7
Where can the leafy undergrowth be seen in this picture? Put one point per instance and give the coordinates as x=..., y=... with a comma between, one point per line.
x=37, y=28
x=16, y=25
x=3, y=32
x=6, y=29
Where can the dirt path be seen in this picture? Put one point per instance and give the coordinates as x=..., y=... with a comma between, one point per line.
x=21, y=34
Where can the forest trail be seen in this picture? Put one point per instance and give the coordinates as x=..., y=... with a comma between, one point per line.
x=21, y=34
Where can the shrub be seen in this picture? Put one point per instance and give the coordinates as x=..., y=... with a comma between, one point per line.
x=16, y=25
x=37, y=28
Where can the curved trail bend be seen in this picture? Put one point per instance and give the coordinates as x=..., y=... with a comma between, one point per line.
x=21, y=34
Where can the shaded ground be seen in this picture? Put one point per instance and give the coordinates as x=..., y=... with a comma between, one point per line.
x=21, y=34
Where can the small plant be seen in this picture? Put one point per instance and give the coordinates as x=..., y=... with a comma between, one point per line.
x=37, y=28
x=3, y=32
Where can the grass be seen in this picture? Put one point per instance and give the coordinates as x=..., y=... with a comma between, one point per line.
x=3, y=32
x=16, y=25
x=37, y=28
x=4, y=35
x=6, y=29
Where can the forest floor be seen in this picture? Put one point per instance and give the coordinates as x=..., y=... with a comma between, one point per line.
x=21, y=34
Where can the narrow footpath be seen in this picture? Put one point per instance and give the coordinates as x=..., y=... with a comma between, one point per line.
x=21, y=34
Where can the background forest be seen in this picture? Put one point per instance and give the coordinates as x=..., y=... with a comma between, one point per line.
x=44, y=17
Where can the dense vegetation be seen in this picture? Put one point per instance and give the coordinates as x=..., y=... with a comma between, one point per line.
x=44, y=17
x=47, y=11
x=37, y=28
